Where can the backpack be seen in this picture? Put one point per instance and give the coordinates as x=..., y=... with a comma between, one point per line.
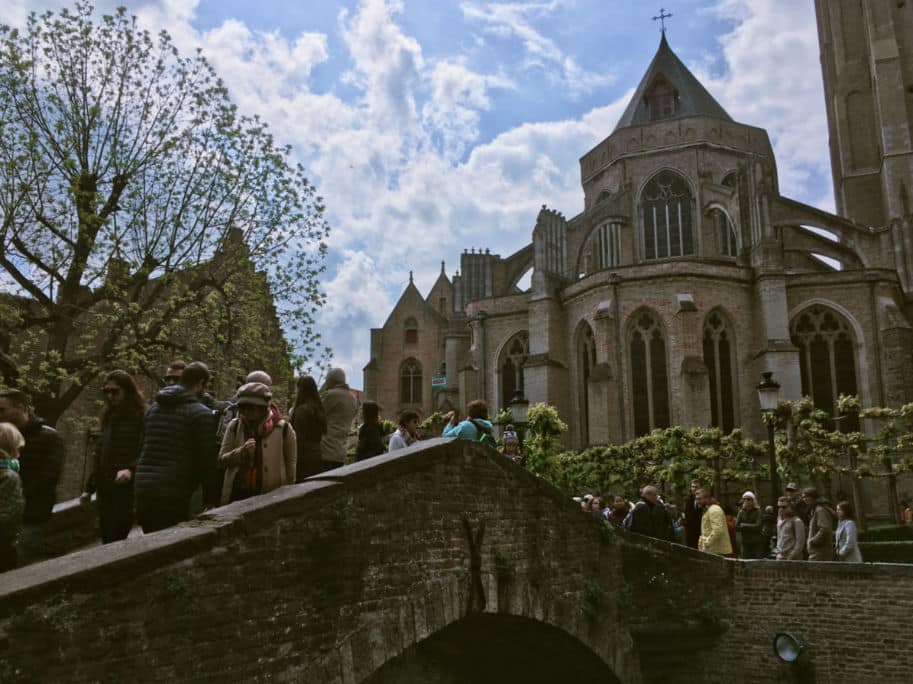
x=485, y=436
x=224, y=418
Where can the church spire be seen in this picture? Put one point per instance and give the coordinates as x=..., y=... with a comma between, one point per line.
x=669, y=90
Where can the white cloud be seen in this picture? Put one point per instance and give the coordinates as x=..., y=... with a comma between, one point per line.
x=406, y=180
x=515, y=20
x=769, y=38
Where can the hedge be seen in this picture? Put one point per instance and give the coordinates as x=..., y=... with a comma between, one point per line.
x=887, y=533
x=887, y=551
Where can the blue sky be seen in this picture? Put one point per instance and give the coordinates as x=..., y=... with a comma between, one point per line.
x=434, y=125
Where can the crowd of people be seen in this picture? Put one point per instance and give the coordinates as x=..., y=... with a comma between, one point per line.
x=161, y=464
x=803, y=527
x=158, y=465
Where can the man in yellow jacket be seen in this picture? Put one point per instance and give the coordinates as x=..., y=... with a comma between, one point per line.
x=714, y=532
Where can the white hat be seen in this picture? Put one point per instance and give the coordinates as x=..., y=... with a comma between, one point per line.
x=750, y=495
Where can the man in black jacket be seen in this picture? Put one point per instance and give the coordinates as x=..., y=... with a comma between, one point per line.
x=40, y=463
x=178, y=452
x=650, y=517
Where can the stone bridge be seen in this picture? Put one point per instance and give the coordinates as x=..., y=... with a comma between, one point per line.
x=440, y=563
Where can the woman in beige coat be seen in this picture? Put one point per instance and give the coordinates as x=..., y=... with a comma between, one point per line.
x=259, y=451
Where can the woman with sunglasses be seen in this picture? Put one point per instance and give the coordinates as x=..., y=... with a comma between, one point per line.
x=116, y=453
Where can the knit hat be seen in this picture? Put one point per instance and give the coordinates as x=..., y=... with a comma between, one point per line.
x=750, y=495
x=254, y=394
x=259, y=376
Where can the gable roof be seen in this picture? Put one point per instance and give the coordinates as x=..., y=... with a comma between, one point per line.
x=411, y=301
x=694, y=100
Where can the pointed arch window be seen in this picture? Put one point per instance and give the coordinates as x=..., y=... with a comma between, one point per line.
x=602, y=249
x=666, y=204
x=586, y=359
x=827, y=359
x=718, y=357
x=410, y=382
x=725, y=233
x=512, y=359
x=411, y=331
x=649, y=377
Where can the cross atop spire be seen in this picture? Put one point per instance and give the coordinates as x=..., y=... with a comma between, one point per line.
x=662, y=18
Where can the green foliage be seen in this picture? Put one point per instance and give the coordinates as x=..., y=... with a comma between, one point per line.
x=670, y=458
x=138, y=203
x=887, y=551
x=387, y=427
x=504, y=417
x=542, y=443
x=433, y=422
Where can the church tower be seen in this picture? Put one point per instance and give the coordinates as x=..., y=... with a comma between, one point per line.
x=867, y=60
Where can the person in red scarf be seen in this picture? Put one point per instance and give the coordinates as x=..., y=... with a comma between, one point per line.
x=259, y=451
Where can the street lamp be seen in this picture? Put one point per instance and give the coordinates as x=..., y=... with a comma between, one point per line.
x=769, y=398
x=519, y=411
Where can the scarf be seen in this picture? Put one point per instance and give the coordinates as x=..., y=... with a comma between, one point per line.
x=11, y=463
x=249, y=480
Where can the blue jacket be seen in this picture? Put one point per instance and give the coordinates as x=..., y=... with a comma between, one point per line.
x=466, y=430
x=178, y=450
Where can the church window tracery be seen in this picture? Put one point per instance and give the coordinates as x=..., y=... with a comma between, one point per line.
x=718, y=357
x=410, y=376
x=649, y=378
x=513, y=357
x=602, y=249
x=666, y=204
x=827, y=359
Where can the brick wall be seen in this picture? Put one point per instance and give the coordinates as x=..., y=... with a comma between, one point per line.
x=329, y=580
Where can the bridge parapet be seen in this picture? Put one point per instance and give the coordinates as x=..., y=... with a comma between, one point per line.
x=334, y=579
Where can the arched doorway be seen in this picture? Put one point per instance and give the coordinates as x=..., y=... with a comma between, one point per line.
x=495, y=649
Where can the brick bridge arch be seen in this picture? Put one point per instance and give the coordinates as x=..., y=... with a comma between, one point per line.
x=363, y=572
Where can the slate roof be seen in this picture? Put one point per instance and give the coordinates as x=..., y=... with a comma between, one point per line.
x=694, y=100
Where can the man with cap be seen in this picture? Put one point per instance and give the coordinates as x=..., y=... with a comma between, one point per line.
x=748, y=529
x=822, y=523
x=799, y=506
x=259, y=451
x=340, y=407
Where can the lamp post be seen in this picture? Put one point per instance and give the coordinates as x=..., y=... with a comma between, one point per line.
x=769, y=397
x=519, y=410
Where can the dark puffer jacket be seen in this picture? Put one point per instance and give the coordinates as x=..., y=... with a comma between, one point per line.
x=40, y=462
x=178, y=450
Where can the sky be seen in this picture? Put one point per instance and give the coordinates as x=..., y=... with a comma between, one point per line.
x=431, y=126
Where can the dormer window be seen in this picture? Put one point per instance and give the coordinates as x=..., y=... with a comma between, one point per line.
x=662, y=99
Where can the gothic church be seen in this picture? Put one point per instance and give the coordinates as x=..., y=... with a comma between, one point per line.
x=688, y=274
